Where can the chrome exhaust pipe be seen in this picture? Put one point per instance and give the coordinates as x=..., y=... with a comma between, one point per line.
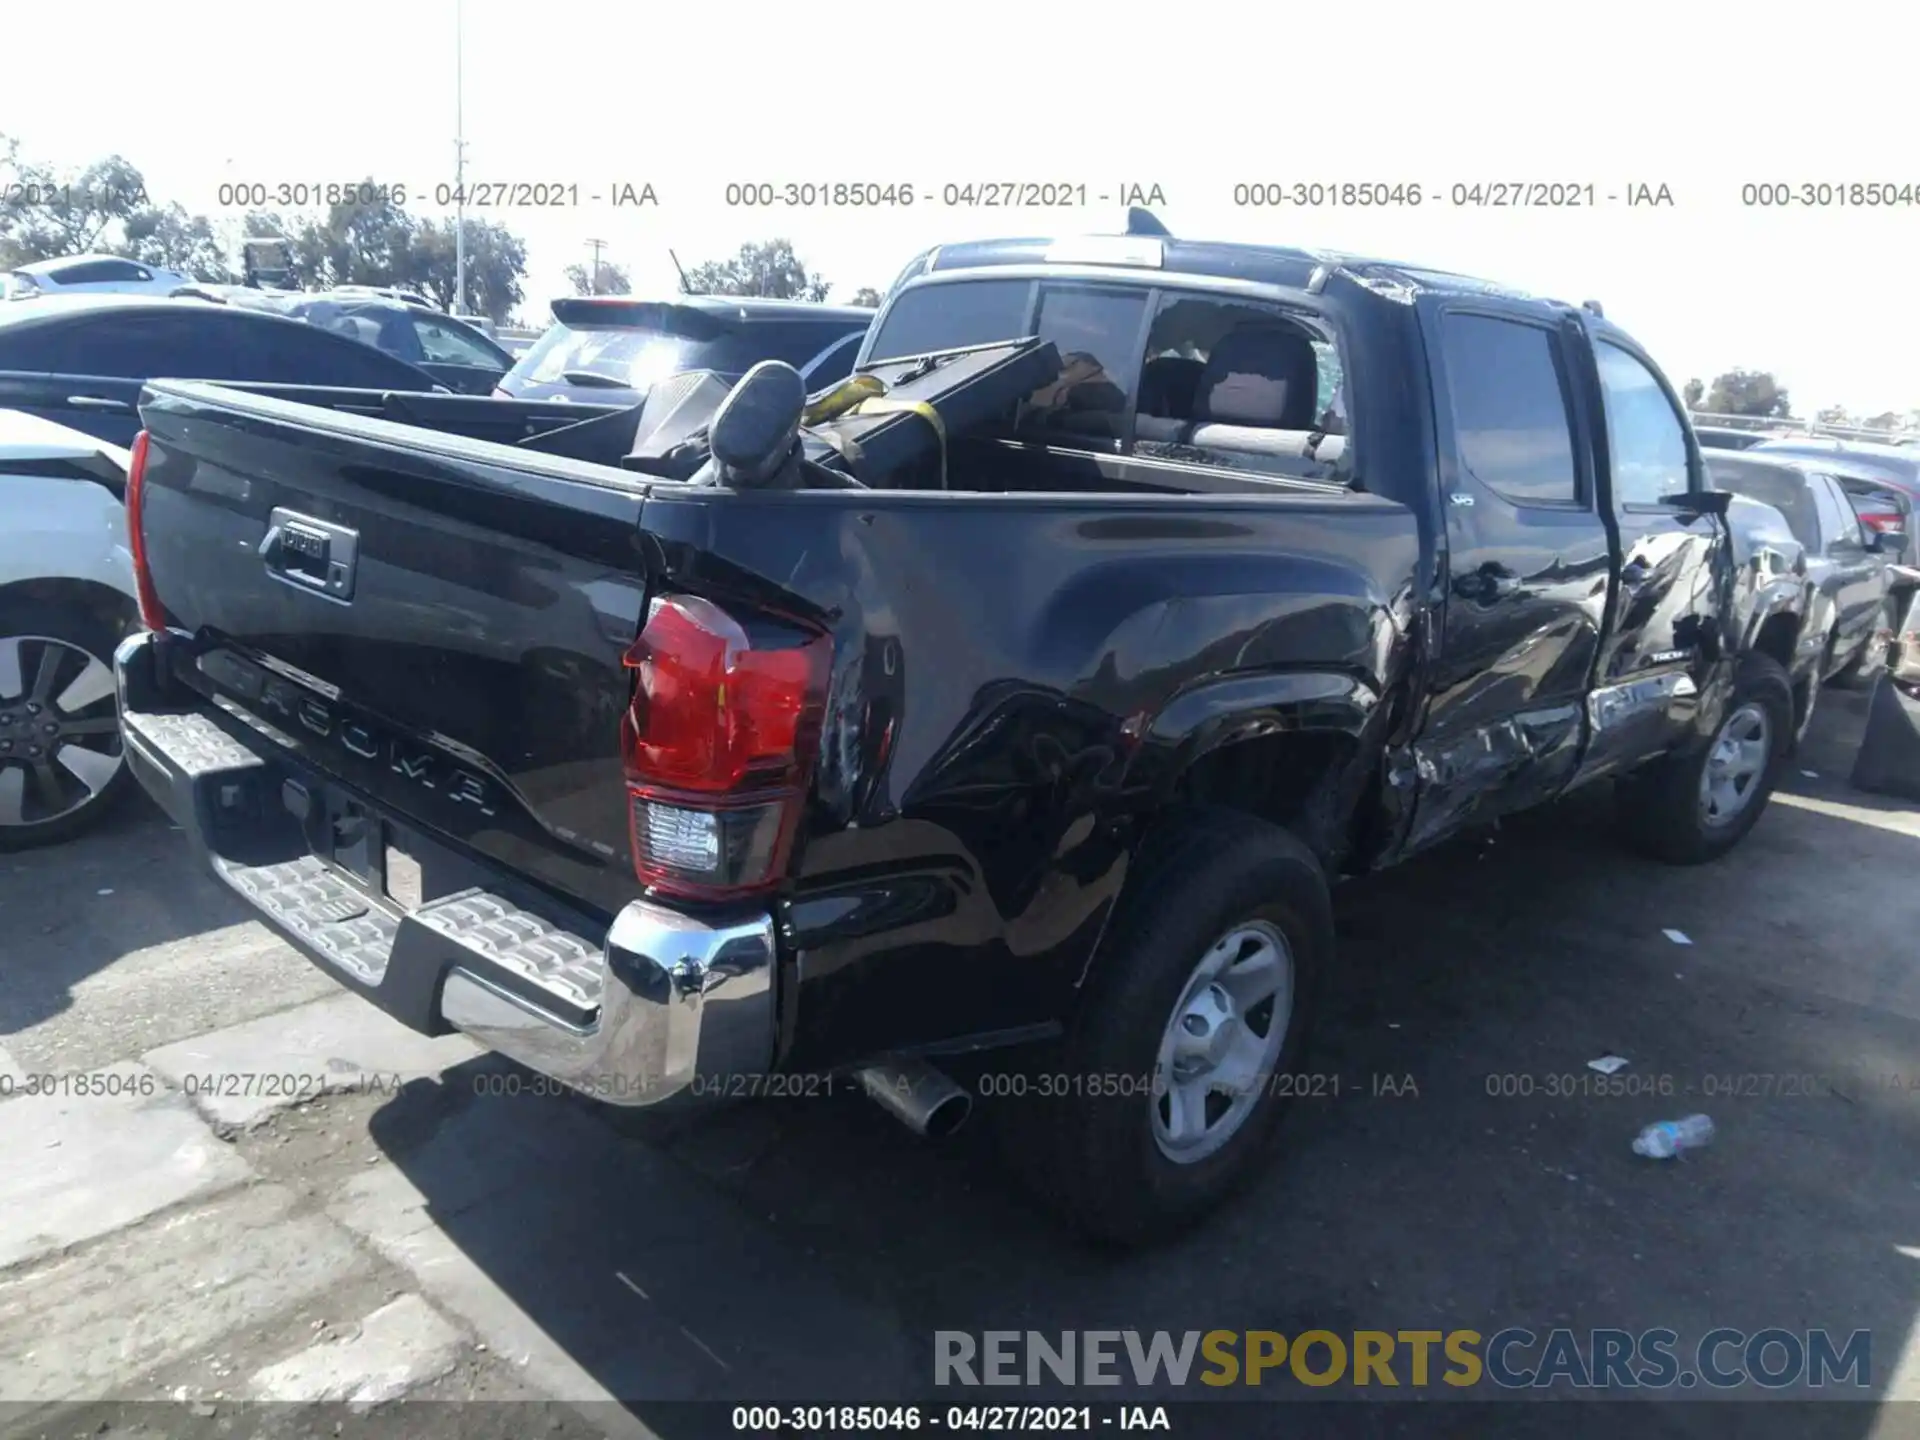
x=920, y=1097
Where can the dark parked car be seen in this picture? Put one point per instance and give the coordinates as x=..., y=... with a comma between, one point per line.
x=1848, y=615
x=1035, y=703
x=1725, y=437
x=610, y=350
x=453, y=352
x=1885, y=477
x=79, y=360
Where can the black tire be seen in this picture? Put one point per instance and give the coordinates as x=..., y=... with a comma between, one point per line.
x=1091, y=1153
x=1660, y=806
x=24, y=626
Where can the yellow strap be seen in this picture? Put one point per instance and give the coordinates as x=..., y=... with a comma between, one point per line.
x=884, y=406
x=842, y=398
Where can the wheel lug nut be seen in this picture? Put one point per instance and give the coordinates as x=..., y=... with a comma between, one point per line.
x=32, y=708
x=50, y=728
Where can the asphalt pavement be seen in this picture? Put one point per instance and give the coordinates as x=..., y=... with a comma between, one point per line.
x=266, y=1205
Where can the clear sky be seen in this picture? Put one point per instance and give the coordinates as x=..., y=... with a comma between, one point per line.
x=1194, y=97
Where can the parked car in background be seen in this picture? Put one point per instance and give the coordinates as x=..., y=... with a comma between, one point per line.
x=91, y=274
x=388, y=292
x=1886, y=477
x=66, y=599
x=247, y=296
x=611, y=349
x=1724, y=437
x=79, y=360
x=451, y=351
x=1848, y=619
x=1038, y=705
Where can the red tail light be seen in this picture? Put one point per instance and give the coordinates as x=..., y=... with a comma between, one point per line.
x=151, y=615
x=718, y=744
x=1880, y=520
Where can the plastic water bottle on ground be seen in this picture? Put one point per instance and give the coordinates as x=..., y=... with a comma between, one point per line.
x=1668, y=1138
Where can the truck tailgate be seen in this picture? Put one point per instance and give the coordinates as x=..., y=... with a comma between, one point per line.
x=434, y=622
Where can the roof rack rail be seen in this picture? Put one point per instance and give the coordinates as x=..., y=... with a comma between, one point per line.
x=1592, y=307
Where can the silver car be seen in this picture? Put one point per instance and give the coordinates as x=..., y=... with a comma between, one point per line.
x=1847, y=611
x=90, y=275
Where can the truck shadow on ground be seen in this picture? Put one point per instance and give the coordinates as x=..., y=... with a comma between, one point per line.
x=69, y=911
x=1464, y=1169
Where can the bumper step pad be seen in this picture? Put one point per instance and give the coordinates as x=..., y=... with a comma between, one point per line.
x=229, y=795
x=553, y=960
x=310, y=899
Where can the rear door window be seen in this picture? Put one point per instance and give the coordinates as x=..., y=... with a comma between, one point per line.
x=100, y=272
x=1510, y=394
x=293, y=354
x=450, y=345
x=1247, y=387
x=954, y=315
x=145, y=347
x=1097, y=333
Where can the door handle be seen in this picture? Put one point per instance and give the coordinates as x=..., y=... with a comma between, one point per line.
x=98, y=402
x=1486, y=586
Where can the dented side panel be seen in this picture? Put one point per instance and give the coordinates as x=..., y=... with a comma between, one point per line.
x=1019, y=681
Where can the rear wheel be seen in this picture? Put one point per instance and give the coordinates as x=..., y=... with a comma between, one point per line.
x=62, y=770
x=1166, y=1092
x=1698, y=803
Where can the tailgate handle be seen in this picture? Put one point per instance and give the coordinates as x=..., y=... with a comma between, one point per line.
x=311, y=554
x=98, y=402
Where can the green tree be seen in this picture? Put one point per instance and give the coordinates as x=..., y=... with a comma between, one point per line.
x=1693, y=394
x=868, y=296
x=175, y=240
x=768, y=269
x=496, y=264
x=611, y=280
x=46, y=213
x=1885, y=420
x=1748, y=392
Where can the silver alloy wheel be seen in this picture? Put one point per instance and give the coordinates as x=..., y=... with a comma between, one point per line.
x=59, y=733
x=1222, y=1042
x=1736, y=762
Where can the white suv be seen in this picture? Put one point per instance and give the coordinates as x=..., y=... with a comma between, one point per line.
x=91, y=275
x=67, y=598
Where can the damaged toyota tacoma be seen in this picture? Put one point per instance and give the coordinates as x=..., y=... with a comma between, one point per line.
x=1027, y=689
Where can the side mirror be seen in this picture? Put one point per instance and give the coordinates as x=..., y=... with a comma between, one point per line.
x=1701, y=502
x=1886, y=542
x=755, y=430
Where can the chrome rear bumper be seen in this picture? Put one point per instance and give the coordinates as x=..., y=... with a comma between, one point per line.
x=684, y=1006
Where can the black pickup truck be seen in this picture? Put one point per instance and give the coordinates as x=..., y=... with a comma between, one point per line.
x=1020, y=693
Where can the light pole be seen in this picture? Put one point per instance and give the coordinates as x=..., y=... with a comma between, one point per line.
x=459, y=162
x=597, y=246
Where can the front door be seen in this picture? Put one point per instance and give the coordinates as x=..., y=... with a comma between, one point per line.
x=1665, y=655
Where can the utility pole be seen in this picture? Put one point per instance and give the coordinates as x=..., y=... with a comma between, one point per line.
x=596, y=246
x=459, y=160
